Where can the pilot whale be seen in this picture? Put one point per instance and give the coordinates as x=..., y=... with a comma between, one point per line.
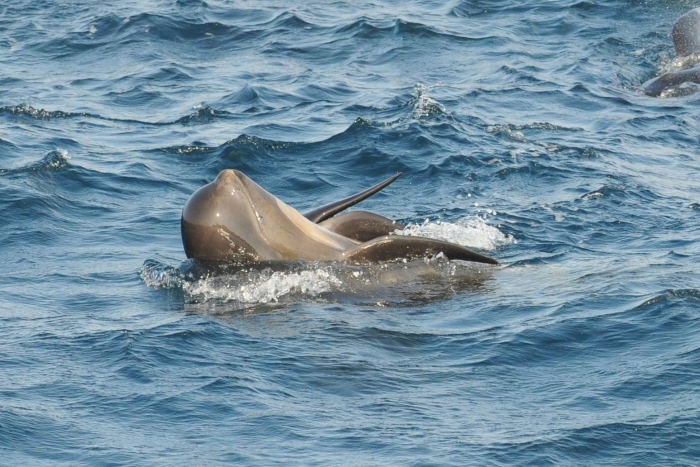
x=686, y=42
x=233, y=219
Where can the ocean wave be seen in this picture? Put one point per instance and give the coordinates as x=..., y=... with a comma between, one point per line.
x=185, y=149
x=112, y=30
x=424, y=105
x=662, y=302
x=535, y=169
x=258, y=98
x=53, y=161
x=582, y=348
x=42, y=114
x=202, y=114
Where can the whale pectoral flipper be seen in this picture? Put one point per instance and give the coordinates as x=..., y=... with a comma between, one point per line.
x=324, y=212
x=656, y=86
x=393, y=247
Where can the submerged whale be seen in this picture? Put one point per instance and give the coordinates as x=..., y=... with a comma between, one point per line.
x=686, y=41
x=233, y=219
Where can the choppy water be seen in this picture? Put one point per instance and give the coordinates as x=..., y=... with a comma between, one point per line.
x=521, y=132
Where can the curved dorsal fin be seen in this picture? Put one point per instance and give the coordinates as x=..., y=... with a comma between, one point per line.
x=324, y=212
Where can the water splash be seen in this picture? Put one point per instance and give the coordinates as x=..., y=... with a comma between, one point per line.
x=472, y=232
x=259, y=287
x=53, y=161
x=158, y=275
x=679, y=63
x=201, y=114
x=424, y=105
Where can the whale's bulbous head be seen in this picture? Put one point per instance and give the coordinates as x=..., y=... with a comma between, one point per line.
x=220, y=221
x=686, y=34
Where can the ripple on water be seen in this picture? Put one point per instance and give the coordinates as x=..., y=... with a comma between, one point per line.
x=582, y=348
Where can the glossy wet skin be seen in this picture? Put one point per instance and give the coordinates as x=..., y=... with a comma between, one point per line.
x=233, y=218
x=686, y=34
x=361, y=226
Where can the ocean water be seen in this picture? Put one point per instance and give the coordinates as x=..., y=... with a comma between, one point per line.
x=521, y=132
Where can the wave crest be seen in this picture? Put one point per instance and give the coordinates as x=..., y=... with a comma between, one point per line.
x=424, y=105
x=157, y=275
x=39, y=114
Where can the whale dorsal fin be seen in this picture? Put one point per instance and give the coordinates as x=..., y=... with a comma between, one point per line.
x=324, y=212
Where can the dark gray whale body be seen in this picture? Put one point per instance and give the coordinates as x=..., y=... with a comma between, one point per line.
x=686, y=41
x=233, y=219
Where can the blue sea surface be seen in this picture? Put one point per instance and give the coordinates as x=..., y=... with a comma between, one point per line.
x=521, y=131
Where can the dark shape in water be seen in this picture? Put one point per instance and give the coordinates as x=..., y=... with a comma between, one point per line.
x=686, y=41
x=233, y=219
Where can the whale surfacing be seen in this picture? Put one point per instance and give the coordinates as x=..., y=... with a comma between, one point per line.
x=233, y=219
x=686, y=42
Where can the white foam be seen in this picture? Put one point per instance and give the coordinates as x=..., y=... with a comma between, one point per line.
x=471, y=232
x=423, y=105
x=262, y=286
x=57, y=159
x=683, y=62
x=592, y=195
x=61, y=156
